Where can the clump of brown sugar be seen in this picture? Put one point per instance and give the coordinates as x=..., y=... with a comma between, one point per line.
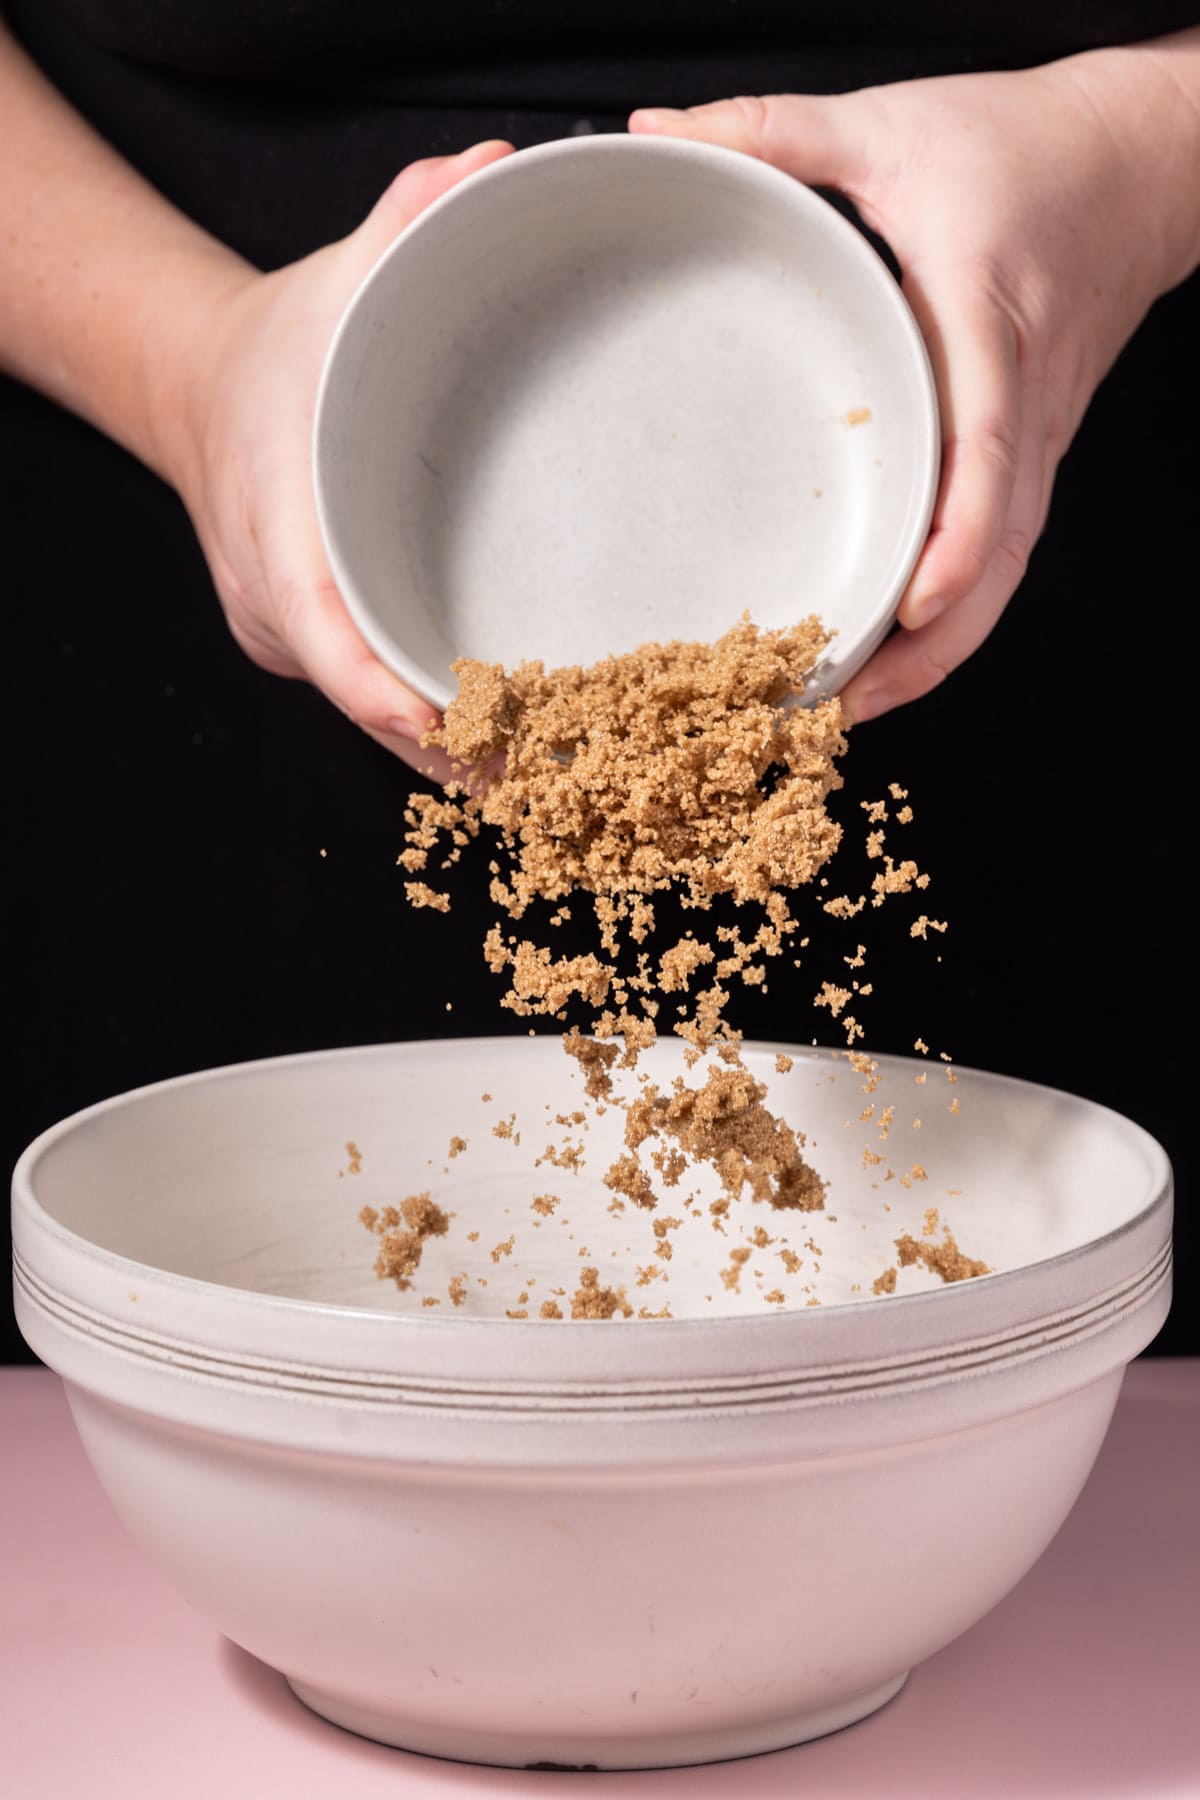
x=403, y=1233
x=725, y=1123
x=648, y=769
x=421, y=894
x=538, y=983
x=944, y=1259
x=591, y=1301
x=732, y=1276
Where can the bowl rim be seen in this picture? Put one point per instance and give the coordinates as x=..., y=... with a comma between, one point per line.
x=25, y=1200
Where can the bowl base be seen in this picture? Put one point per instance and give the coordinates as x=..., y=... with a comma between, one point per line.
x=516, y=1750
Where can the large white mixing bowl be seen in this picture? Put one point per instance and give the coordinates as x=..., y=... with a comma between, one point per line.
x=606, y=1543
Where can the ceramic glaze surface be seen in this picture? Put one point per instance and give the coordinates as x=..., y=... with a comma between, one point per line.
x=618, y=389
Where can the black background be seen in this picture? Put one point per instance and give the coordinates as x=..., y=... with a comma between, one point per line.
x=167, y=907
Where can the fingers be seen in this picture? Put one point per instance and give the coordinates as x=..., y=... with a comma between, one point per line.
x=319, y=633
x=912, y=663
x=974, y=349
x=253, y=506
x=817, y=138
x=435, y=765
x=916, y=659
x=299, y=624
x=314, y=630
x=417, y=187
x=992, y=494
x=324, y=648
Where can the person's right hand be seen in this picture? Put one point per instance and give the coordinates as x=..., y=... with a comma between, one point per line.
x=236, y=436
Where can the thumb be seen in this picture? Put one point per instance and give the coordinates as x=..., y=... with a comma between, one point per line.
x=817, y=138
x=417, y=187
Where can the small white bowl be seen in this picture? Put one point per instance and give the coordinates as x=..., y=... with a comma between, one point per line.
x=615, y=389
x=629, y=1543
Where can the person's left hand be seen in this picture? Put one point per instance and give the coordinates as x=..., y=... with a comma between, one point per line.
x=1036, y=216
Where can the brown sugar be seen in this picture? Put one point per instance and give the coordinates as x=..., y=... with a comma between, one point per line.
x=562, y=1156
x=922, y=926
x=421, y=894
x=680, y=767
x=539, y=984
x=648, y=769
x=726, y=1124
x=677, y=966
x=896, y=878
x=403, y=1234
x=675, y=766
x=591, y=1301
x=732, y=1276
x=595, y=1061
x=627, y=1177
x=944, y=1259
x=663, y=1246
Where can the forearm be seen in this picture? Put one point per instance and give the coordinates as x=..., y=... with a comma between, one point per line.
x=1147, y=96
x=104, y=286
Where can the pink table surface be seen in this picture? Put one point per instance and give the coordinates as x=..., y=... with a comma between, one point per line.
x=1084, y=1682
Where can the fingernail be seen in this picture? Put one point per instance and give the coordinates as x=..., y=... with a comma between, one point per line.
x=656, y=116
x=413, y=729
x=925, y=608
x=870, y=705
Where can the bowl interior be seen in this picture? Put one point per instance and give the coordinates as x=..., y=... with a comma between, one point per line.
x=621, y=389
x=246, y=1177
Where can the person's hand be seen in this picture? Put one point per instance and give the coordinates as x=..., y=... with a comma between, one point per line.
x=1035, y=217
x=238, y=450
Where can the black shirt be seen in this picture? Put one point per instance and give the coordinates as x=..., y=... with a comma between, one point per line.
x=276, y=123
x=168, y=902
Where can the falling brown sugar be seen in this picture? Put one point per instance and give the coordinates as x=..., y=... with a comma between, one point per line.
x=403, y=1234
x=726, y=1124
x=681, y=767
